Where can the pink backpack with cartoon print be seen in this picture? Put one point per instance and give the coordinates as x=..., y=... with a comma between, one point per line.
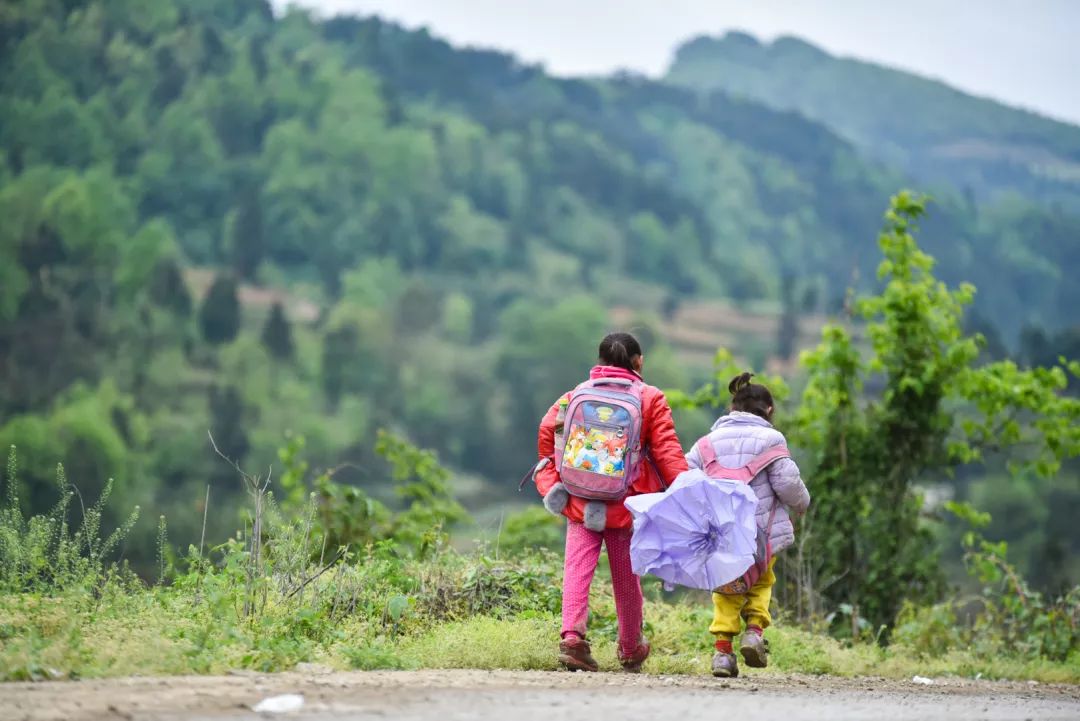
x=598, y=449
x=746, y=474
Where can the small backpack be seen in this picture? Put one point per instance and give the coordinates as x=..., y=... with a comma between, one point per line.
x=746, y=474
x=598, y=450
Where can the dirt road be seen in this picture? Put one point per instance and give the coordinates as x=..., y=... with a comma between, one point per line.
x=532, y=696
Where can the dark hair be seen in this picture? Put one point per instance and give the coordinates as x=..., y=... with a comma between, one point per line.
x=750, y=397
x=619, y=350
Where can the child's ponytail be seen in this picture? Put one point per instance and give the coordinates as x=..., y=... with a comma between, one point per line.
x=750, y=397
x=619, y=350
x=739, y=381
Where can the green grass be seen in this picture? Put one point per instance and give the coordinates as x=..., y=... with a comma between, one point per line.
x=160, y=632
x=388, y=606
x=486, y=643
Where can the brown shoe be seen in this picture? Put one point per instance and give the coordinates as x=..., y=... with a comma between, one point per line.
x=576, y=655
x=754, y=649
x=724, y=665
x=633, y=662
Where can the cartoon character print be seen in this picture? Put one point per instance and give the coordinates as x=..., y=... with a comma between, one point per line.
x=615, y=449
x=574, y=446
x=600, y=448
x=606, y=415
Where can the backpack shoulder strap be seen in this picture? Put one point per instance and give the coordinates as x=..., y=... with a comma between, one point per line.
x=766, y=458
x=712, y=466
x=706, y=452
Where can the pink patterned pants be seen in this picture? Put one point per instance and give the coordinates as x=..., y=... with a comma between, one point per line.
x=582, y=555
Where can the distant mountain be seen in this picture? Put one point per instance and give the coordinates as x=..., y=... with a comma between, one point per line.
x=932, y=130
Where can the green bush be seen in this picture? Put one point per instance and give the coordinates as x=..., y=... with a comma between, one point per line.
x=1006, y=617
x=373, y=657
x=47, y=553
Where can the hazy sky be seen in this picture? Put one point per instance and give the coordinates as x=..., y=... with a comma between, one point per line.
x=1025, y=53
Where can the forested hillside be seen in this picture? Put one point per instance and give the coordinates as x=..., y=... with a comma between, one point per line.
x=934, y=131
x=218, y=219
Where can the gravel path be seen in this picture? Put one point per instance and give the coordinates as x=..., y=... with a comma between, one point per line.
x=529, y=696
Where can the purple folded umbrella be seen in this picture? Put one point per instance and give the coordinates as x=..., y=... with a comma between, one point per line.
x=701, y=533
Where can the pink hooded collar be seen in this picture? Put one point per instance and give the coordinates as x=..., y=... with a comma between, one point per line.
x=613, y=372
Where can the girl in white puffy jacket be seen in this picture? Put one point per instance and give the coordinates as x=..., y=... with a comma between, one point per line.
x=736, y=439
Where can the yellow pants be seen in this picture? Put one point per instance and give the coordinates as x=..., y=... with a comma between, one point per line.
x=729, y=611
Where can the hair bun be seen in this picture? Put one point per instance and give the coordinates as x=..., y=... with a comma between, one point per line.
x=739, y=382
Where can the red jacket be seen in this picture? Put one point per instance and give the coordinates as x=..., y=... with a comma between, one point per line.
x=657, y=432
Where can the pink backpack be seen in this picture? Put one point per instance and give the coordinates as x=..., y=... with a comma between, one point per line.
x=746, y=474
x=598, y=449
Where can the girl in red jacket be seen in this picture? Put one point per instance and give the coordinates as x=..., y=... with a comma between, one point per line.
x=592, y=523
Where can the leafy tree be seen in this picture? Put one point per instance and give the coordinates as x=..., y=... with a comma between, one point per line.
x=277, y=334
x=54, y=129
x=168, y=289
x=457, y=318
x=96, y=428
x=183, y=178
x=866, y=548
x=475, y=240
x=246, y=244
x=917, y=344
x=340, y=349
x=424, y=486
x=219, y=316
x=418, y=308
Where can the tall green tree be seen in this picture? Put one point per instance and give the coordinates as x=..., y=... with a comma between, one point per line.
x=340, y=349
x=168, y=289
x=219, y=316
x=277, y=334
x=868, y=547
x=246, y=242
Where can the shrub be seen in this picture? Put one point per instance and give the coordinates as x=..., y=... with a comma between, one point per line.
x=44, y=553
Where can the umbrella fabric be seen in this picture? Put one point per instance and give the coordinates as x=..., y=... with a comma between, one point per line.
x=701, y=533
